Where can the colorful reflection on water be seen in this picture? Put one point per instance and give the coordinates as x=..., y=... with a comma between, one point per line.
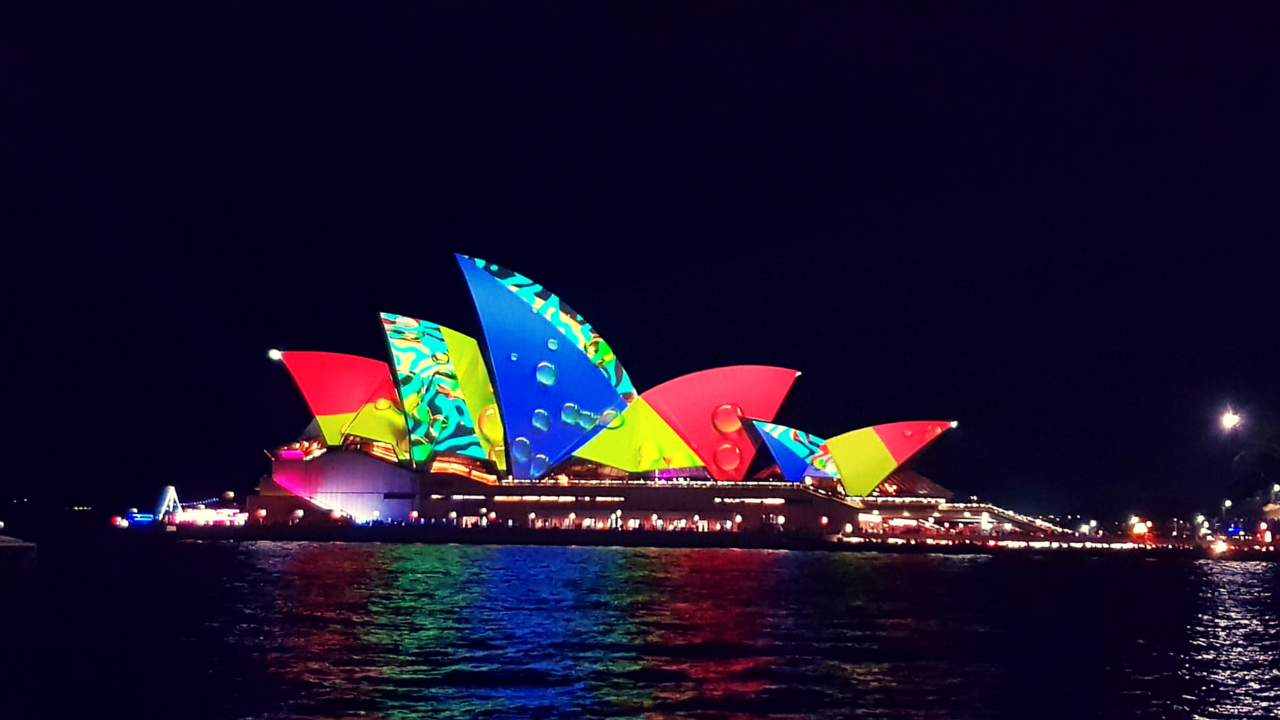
x=396, y=632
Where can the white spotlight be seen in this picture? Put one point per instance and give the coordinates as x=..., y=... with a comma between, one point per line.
x=955, y=424
x=275, y=354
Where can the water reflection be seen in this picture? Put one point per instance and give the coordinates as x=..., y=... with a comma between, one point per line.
x=1233, y=664
x=502, y=632
x=398, y=632
x=322, y=612
x=703, y=619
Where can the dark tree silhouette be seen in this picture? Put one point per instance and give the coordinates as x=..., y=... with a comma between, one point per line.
x=1255, y=465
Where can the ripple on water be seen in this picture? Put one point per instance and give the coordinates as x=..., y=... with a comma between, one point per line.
x=392, y=632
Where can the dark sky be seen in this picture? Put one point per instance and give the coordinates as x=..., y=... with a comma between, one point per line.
x=1055, y=223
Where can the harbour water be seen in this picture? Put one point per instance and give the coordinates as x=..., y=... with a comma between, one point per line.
x=297, y=630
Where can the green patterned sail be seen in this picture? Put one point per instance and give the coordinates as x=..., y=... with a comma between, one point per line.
x=445, y=391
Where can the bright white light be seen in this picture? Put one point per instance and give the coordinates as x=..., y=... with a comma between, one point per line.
x=1133, y=519
x=782, y=519
x=1226, y=503
x=1199, y=519
x=275, y=354
x=1093, y=523
x=955, y=424
x=1220, y=546
x=1230, y=419
x=1084, y=529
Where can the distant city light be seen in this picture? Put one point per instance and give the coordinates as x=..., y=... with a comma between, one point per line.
x=1220, y=546
x=955, y=424
x=1093, y=523
x=1140, y=528
x=1230, y=419
x=1226, y=503
x=275, y=354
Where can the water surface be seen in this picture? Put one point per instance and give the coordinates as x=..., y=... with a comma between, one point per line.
x=295, y=630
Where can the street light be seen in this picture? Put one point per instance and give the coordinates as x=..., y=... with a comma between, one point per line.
x=1230, y=419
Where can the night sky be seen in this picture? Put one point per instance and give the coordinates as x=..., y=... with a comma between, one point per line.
x=1056, y=224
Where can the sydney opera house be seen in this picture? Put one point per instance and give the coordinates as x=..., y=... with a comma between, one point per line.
x=537, y=425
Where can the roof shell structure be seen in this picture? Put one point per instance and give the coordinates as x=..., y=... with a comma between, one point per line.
x=639, y=440
x=544, y=387
x=444, y=387
x=707, y=410
x=796, y=452
x=866, y=457
x=571, y=325
x=350, y=395
x=553, y=398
